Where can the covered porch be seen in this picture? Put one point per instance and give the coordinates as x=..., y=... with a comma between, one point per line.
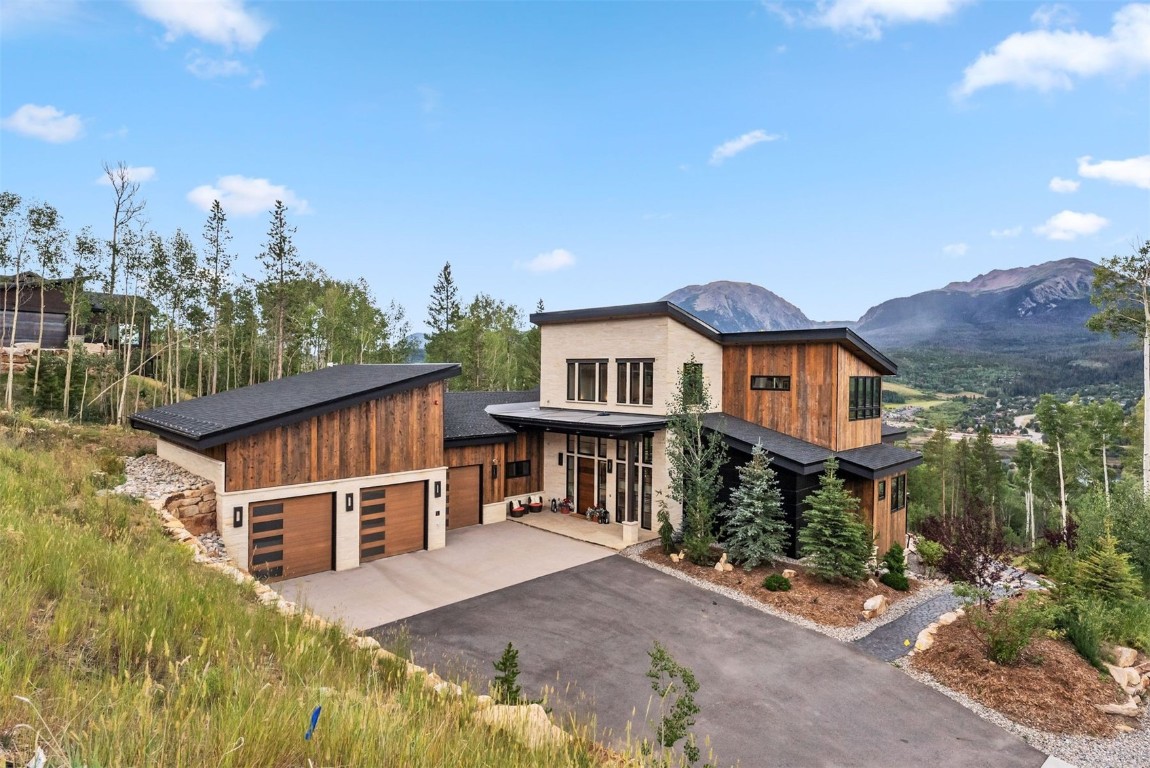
x=606, y=466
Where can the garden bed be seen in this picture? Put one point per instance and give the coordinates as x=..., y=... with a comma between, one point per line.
x=826, y=604
x=1052, y=688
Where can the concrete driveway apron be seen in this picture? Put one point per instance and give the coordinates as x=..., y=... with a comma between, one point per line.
x=772, y=693
x=476, y=560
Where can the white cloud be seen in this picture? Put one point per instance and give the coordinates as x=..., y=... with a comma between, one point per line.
x=868, y=18
x=136, y=173
x=243, y=196
x=1055, y=15
x=208, y=68
x=1069, y=225
x=551, y=261
x=1135, y=171
x=999, y=234
x=45, y=123
x=223, y=22
x=16, y=14
x=1047, y=59
x=955, y=249
x=1065, y=186
x=729, y=149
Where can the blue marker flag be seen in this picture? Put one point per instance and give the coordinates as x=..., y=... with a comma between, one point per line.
x=314, y=720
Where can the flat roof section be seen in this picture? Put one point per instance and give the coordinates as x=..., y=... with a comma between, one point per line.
x=602, y=423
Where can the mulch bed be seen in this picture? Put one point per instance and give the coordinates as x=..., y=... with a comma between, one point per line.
x=832, y=605
x=1052, y=688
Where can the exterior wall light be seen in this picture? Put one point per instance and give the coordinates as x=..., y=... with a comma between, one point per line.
x=349, y=502
x=237, y=517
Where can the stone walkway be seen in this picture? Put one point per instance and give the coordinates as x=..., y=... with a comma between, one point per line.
x=887, y=642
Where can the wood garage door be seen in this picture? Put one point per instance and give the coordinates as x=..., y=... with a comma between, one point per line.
x=391, y=520
x=290, y=537
x=463, y=503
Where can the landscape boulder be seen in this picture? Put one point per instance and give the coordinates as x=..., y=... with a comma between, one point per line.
x=948, y=618
x=924, y=641
x=874, y=607
x=1123, y=656
x=789, y=573
x=530, y=723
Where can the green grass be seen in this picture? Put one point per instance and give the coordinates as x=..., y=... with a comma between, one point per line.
x=118, y=650
x=914, y=397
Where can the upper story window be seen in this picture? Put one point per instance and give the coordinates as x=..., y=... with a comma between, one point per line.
x=587, y=380
x=692, y=383
x=636, y=382
x=897, y=493
x=865, y=397
x=773, y=383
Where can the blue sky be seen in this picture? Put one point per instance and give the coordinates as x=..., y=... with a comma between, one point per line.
x=839, y=153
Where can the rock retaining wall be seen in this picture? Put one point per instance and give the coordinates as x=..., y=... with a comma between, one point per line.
x=189, y=498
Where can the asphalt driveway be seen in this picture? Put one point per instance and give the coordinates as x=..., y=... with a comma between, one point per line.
x=771, y=693
x=476, y=560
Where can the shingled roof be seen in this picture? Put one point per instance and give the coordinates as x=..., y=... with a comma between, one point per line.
x=216, y=419
x=466, y=420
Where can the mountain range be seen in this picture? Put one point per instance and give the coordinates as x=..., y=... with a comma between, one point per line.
x=1029, y=319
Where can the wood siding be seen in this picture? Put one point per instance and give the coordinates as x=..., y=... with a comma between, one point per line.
x=888, y=527
x=527, y=446
x=853, y=434
x=815, y=409
x=807, y=411
x=399, y=433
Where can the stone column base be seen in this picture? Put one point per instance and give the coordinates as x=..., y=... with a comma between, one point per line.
x=631, y=533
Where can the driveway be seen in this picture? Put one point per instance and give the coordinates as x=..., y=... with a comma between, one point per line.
x=476, y=560
x=771, y=693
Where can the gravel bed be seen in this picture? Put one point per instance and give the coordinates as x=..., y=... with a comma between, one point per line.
x=214, y=551
x=843, y=634
x=1127, y=750
x=150, y=477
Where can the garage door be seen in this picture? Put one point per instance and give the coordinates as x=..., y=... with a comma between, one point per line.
x=290, y=537
x=462, y=497
x=391, y=520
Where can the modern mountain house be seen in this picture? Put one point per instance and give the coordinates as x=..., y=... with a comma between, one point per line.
x=337, y=467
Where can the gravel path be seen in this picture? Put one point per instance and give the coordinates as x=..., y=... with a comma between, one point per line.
x=888, y=641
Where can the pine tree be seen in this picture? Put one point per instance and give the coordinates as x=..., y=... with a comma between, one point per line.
x=753, y=523
x=282, y=266
x=505, y=687
x=834, y=538
x=1106, y=573
x=218, y=265
x=444, y=311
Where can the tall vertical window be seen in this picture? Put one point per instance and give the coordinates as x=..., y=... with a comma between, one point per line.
x=897, y=493
x=636, y=382
x=865, y=397
x=587, y=380
x=692, y=383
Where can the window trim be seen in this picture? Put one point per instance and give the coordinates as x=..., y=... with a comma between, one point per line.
x=771, y=383
x=635, y=381
x=574, y=380
x=898, y=493
x=864, y=398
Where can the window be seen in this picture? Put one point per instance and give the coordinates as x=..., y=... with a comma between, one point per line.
x=774, y=383
x=518, y=469
x=897, y=493
x=587, y=380
x=865, y=397
x=636, y=382
x=586, y=445
x=881, y=490
x=692, y=383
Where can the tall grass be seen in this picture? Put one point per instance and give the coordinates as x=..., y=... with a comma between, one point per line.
x=117, y=650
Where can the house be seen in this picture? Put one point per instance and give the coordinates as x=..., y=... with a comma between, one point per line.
x=806, y=396
x=340, y=466
x=333, y=468
x=104, y=323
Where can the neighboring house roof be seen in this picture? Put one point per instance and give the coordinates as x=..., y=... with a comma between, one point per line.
x=805, y=458
x=790, y=453
x=465, y=419
x=844, y=336
x=604, y=423
x=216, y=419
x=893, y=434
x=877, y=460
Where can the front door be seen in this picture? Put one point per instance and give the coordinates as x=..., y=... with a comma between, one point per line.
x=585, y=496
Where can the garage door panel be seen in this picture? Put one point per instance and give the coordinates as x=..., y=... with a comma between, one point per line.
x=463, y=502
x=290, y=537
x=391, y=520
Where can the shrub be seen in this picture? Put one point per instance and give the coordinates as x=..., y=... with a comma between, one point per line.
x=930, y=553
x=777, y=582
x=894, y=580
x=895, y=559
x=1007, y=628
x=666, y=530
x=1082, y=623
x=676, y=686
x=1106, y=573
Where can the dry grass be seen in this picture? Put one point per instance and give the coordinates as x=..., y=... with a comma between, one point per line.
x=832, y=605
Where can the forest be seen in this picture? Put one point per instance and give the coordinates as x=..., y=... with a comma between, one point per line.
x=177, y=320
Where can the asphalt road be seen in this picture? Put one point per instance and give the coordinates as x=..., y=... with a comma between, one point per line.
x=771, y=693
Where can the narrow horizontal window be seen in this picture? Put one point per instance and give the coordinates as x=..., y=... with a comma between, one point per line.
x=518, y=469
x=772, y=383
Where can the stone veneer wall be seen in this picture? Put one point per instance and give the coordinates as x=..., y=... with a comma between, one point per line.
x=195, y=508
x=188, y=497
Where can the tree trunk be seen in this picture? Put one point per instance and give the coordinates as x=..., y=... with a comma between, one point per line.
x=10, y=390
x=39, y=345
x=1145, y=397
x=1061, y=484
x=1105, y=476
